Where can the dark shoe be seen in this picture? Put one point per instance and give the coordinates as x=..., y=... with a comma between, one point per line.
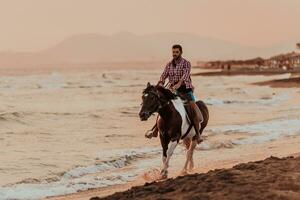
x=152, y=133
x=196, y=118
x=199, y=139
x=149, y=134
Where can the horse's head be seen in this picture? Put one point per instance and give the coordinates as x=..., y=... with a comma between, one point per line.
x=150, y=102
x=154, y=97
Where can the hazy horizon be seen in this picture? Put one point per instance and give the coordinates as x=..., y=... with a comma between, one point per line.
x=33, y=25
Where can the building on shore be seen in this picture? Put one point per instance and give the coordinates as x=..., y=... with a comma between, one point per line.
x=254, y=63
x=288, y=61
x=284, y=61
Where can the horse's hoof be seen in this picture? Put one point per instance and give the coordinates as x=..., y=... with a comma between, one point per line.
x=183, y=173
x=191, y=170
x=200, y=140
x=163, y=174
x=191, y=167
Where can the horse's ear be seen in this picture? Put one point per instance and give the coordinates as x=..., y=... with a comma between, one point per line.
x=148, y=84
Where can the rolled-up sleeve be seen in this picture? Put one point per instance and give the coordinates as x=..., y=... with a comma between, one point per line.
x=186, y=73
x=164, y=75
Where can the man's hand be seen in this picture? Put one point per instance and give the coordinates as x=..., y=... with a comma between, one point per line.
x=160, y=84
x=177, y=85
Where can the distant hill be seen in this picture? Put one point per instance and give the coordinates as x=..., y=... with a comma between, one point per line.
x=128, y=47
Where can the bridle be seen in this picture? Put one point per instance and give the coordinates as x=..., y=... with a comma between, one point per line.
x=162, y=103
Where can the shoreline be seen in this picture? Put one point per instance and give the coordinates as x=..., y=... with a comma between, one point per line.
x=281, y=83
x=245, y=73
x=278, y=148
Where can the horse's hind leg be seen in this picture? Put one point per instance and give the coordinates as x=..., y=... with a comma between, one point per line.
x=189, y=156
x=187, y=143
x=191, y=163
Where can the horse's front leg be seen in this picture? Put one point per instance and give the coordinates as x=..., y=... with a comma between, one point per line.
x=166, y=159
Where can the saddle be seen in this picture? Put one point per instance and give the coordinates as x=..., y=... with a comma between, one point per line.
x=187, y=107
x=189, y=112
x=189, y=116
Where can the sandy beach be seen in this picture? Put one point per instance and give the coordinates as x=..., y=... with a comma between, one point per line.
x=227, y=160
x=76, y=134
x=273, y=178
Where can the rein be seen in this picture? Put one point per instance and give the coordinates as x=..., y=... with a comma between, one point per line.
x=161, y=102
x=165, y=103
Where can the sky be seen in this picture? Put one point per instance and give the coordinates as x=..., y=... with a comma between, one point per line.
x=30, y=25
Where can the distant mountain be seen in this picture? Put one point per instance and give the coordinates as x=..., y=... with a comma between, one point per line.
x=128, y=47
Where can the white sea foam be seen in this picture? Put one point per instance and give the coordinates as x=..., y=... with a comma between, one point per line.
x=47, y=81
x=83, y=178
x=105, y=172
x=261, y=132
x=272, y=100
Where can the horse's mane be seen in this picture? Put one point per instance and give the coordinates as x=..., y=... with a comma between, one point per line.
x=148, y=89
x=166, y=92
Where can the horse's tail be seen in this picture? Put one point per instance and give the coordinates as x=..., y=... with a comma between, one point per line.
x=204, y=110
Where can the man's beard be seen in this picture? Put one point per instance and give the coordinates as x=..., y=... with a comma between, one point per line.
x=176, y=57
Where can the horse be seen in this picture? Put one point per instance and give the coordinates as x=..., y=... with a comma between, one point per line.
x=173, y=123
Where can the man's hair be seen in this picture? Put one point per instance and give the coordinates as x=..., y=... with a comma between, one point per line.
x=177, y=46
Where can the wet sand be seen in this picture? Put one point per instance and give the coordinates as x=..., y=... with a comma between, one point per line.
x=282, y=83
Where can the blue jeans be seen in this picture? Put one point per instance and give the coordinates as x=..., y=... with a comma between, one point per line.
x=188, y=95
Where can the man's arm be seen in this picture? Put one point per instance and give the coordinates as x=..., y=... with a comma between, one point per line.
x=186, y=73
x=164, y=75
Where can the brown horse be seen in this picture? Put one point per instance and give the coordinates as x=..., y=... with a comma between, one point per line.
x=173, y=123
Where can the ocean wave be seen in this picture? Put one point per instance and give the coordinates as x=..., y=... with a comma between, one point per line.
x=261, y=132
x=216, y=145
x=101, y=174
x=265, y=100
x=12, y=116
x=54, y=80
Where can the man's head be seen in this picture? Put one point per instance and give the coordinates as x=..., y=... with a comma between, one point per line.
x=176, y=51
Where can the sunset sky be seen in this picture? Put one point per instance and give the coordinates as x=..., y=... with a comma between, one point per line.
x=29, y=25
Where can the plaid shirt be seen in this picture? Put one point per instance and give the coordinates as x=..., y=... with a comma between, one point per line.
x=175, y=73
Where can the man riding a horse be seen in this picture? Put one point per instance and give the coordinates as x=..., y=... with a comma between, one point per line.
x=178, y=72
